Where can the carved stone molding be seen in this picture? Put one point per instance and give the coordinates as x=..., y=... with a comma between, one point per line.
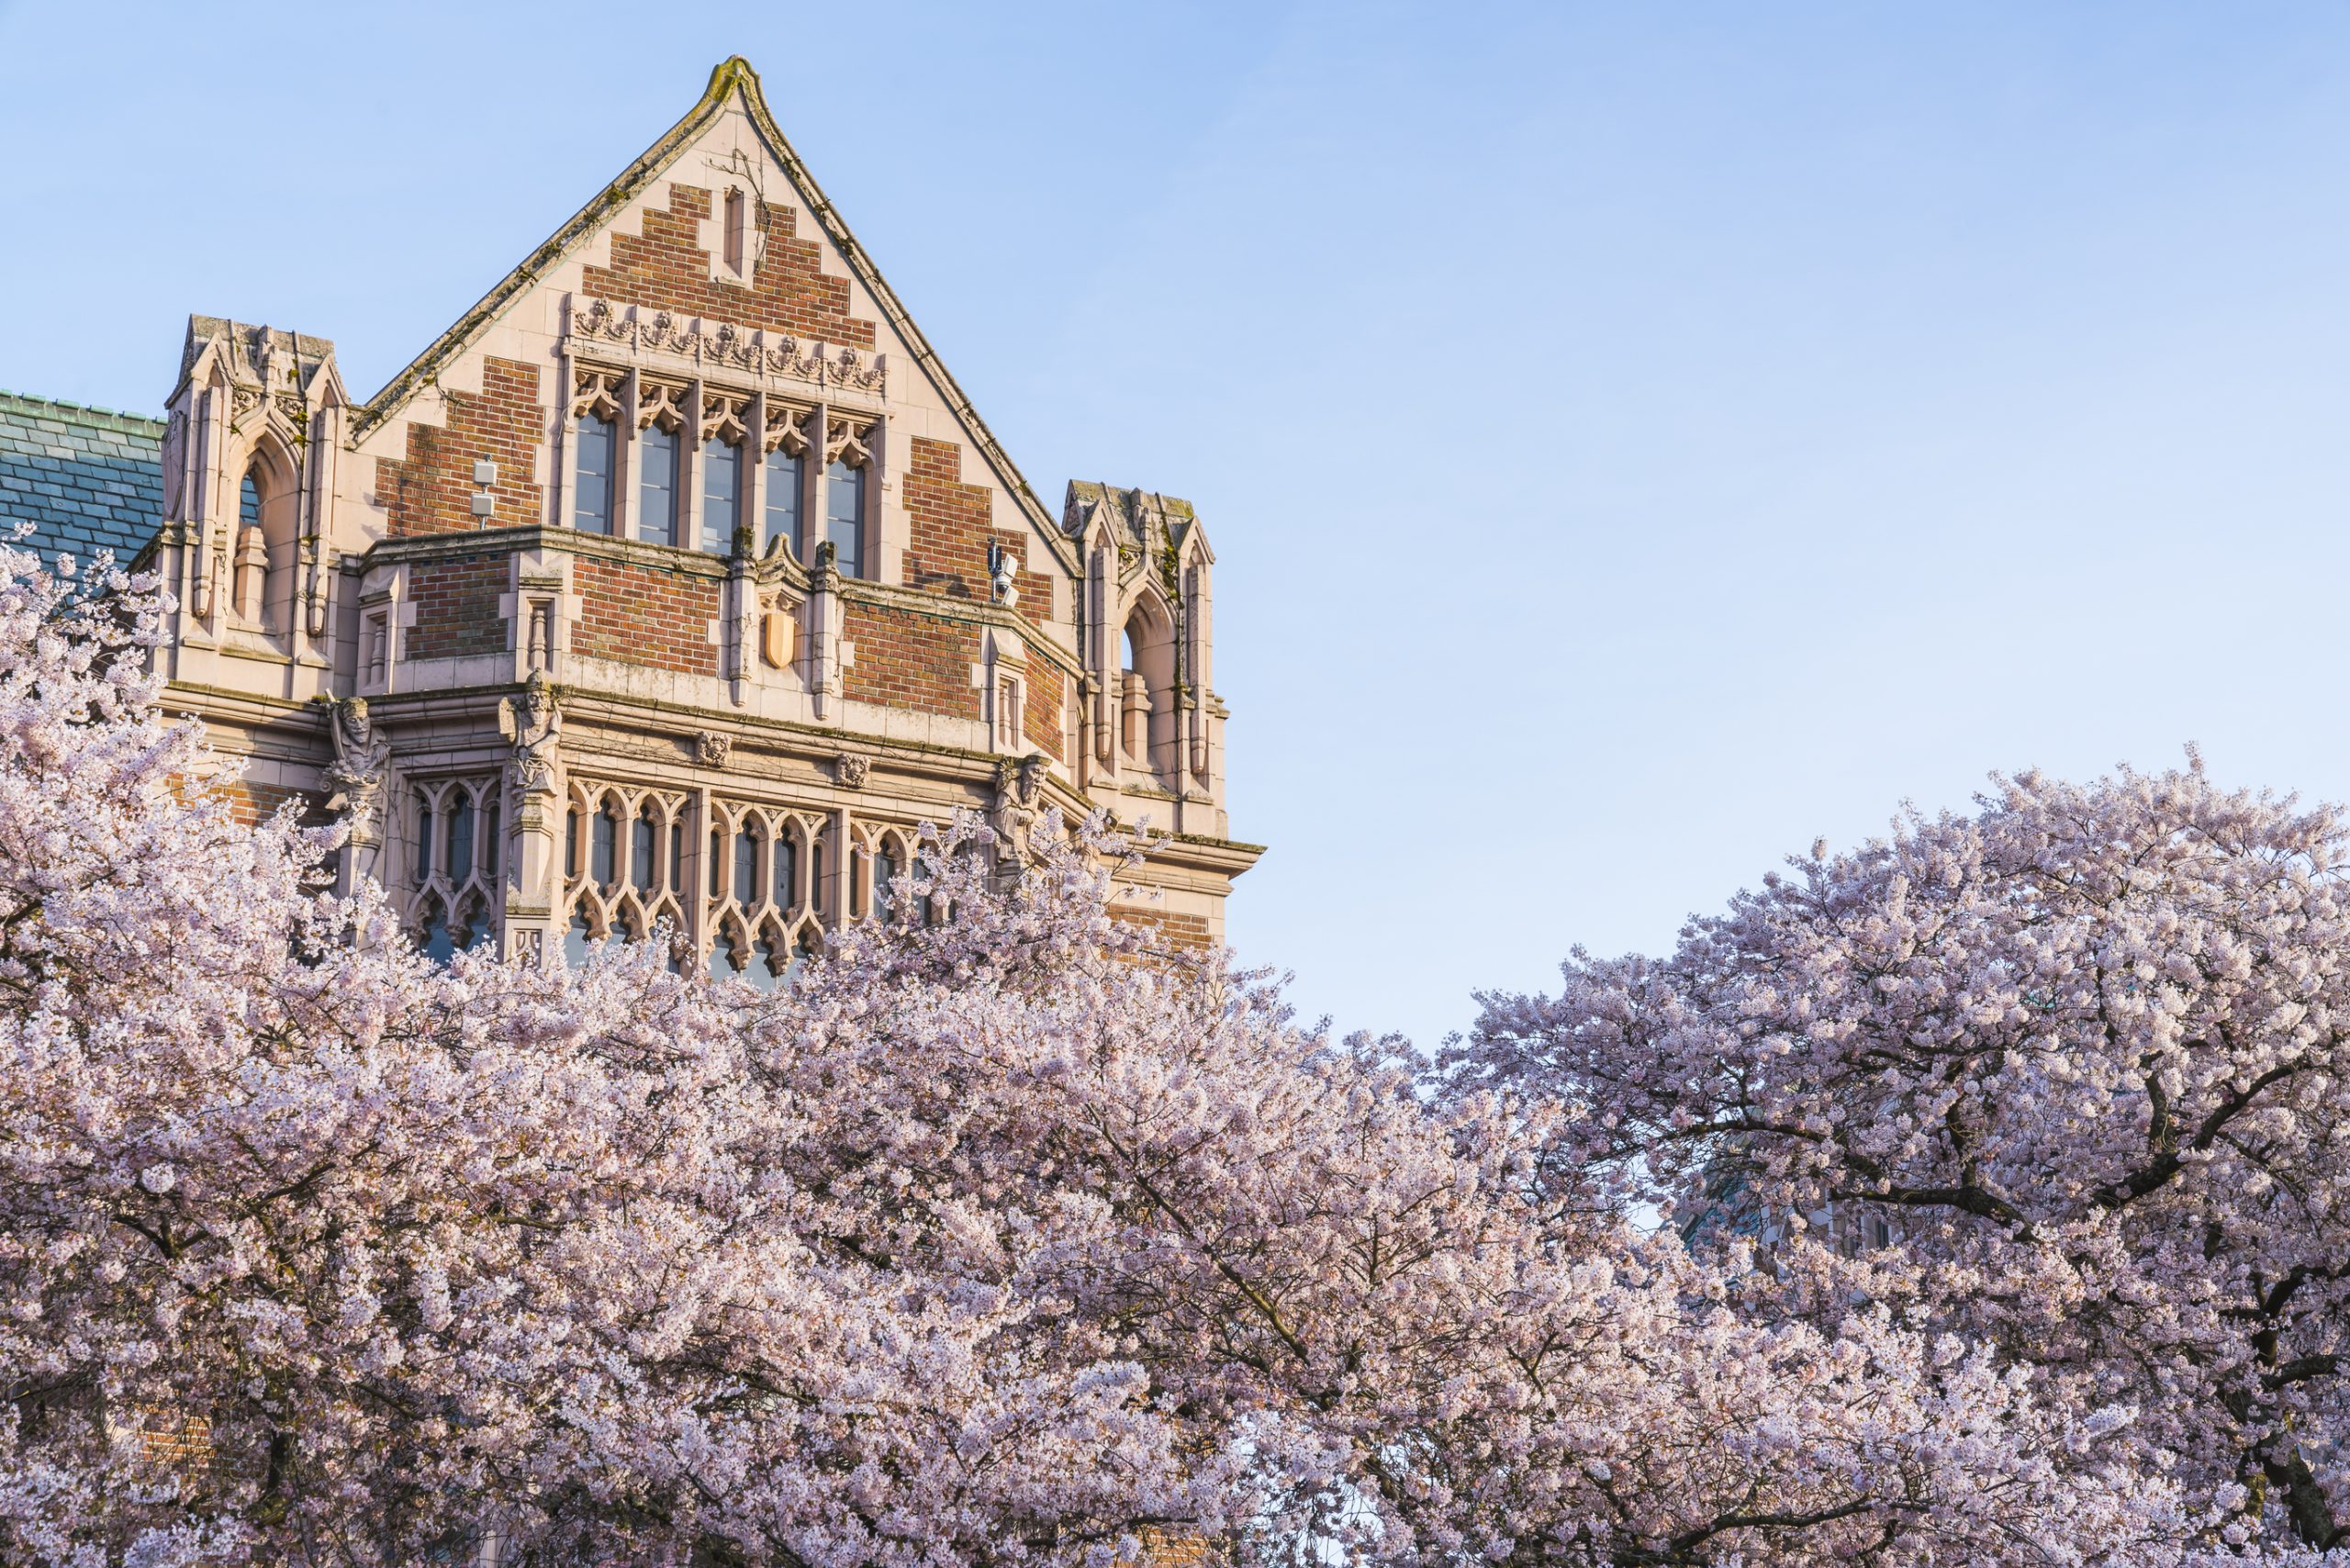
x=850, y=769
x=599, y=330
x=711, y=749
x=533, y=727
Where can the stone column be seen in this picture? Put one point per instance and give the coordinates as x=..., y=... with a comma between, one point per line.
x=534, y=889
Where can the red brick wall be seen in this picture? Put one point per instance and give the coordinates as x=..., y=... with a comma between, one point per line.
x=431, y=489
x=457, y=607
x=906, y=659
x=664, y=268
x=1041, y=719
x=643, y=615
x=252, y=803
x=1173, y=930
x=951, y=523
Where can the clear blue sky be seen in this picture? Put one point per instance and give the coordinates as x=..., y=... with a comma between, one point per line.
x=1637, y=440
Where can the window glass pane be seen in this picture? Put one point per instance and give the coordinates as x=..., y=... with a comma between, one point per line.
x=885, y=871
x=786, y=873
x=783, y=502
x=816, y=874
x=845, y=516
x=461, y=839
x=747, y=869
x=575, y=940
x=717, y=853
x=571, y=842
x=599, y=846
x=643, y=848
x=489, y=841
x=249, y=502
x=423, y=835
x=722, y=488
x=677, y=858
x=434, y=937
x=594, y=512
x=656, y=506
x=477, y=926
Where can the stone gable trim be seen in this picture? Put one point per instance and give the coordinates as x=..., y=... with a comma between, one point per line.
x=732, y=76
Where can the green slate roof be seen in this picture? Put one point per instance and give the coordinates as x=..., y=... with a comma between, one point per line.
x=87, y=479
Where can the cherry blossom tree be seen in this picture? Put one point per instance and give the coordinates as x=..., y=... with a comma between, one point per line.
x=2068, y=1078
x=1004, y=1238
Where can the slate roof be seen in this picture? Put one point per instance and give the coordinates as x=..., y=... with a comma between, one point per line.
x=87, y=479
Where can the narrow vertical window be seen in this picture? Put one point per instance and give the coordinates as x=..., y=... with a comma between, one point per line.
x=461, y=839
x=593, y=514
x=716, y=854
x=787, y=872
x=747, y=869
x=721, y=489
x=603, y=832
x=489, y=840
x=737, y=233
x=845, y=516
x=677, y=858
x=646, y=836
x=423, y=837
x=657, y=511
x=784, y=475
x=249, y=502
x=571, y=842
x=816, y=874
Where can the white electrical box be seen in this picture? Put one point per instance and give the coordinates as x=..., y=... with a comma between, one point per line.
x=485, y=471
x=484, y=503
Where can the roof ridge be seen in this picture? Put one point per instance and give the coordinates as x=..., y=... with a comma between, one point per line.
x=35, y=400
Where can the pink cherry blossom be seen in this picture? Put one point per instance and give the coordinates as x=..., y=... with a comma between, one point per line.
x=2078, y=1062
x=1009, y=1238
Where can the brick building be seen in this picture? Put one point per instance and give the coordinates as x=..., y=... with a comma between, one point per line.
x=677, y=579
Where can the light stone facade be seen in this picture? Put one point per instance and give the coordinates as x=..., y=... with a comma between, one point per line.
x=678, y=581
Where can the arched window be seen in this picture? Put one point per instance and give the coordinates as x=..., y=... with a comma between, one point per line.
x=746, y=868
x=262, y=587
x=459, y=863
x=845, y=516
x=645, y=835
x=604, y=832
x=597, y=442
x=656, y=496
x=784, y=476
x=577, y=939
x=423, y=838
x=434, y=937
x=787, y=871
x=722, y=492
x=1126, y=649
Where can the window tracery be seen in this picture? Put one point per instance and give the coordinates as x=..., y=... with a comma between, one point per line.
x=456, y=842
x=621, y=868
x=766, y=910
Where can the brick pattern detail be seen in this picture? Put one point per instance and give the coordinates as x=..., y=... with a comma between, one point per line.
x=665, y=268
x=253, y=804
x=643, y=615
x=431, y=489
x=952, y=523
x=1042, y=718
x=906, y=659
x=456, y=608
x=1187, y=932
